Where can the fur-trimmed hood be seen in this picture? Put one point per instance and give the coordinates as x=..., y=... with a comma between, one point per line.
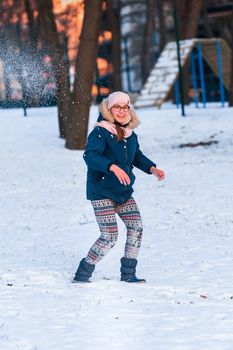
x=107, y=115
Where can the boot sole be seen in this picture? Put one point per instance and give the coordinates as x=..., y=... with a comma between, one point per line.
x=80, y=282
x=135, y=282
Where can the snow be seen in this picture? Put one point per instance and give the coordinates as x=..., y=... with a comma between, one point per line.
x=47, y=226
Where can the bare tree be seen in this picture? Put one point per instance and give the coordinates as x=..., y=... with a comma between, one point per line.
x=142, y=22
x=113, y=10
x=84, y=75
x=189, y=14
x=162, y=29
x=50, y=35
x=147, y=40
x=133, y=18
x=33, y=26
x=207, y=26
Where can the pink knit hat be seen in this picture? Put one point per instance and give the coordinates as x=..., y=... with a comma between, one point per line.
x=118, y=97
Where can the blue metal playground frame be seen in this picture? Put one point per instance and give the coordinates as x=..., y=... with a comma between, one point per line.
x=202, y=77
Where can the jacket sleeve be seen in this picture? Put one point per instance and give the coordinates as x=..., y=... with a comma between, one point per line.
x=93, y=155
x=141, y=161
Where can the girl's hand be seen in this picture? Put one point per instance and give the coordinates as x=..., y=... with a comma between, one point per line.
x=158, y=173
x=120, y=174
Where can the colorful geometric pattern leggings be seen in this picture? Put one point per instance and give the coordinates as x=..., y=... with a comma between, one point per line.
x=105, y=212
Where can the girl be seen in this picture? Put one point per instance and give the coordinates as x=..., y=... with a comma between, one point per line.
x=111, y=152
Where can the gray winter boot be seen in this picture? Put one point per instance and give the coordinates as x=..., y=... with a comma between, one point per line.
x=128, y=271
x=84, y=272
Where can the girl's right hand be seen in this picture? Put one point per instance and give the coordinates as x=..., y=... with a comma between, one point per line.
x=120, y=174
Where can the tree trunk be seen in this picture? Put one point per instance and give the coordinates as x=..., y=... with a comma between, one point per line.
x=50, y=35
x=147, y=40
x=192, y=13
x=84, y=75
x=32, y=26
x=207, y=26
x=115, y=22
x=231, y=86
x=181, y=12
x=189, y=11
x=162, y=30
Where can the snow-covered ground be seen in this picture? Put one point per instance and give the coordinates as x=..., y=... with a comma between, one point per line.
x=47, y=226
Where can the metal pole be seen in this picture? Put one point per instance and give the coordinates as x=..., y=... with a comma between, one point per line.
x=200, y=59
x=194, y=78
x=24, y=109
x=181, y=80
x=176, y=90
x=218, y=47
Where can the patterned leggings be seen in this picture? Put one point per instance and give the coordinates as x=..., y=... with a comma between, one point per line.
x=105, y=213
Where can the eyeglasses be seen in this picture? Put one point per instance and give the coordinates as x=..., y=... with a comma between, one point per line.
x=119, y=108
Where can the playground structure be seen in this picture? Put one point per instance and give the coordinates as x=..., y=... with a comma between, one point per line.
x=163, y=76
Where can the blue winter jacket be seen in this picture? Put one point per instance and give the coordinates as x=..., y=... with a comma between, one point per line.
x=102, y=150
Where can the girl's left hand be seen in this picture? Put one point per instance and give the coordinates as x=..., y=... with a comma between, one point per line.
x=158, y=173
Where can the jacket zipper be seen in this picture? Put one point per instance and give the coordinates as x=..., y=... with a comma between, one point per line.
x=126, y=149
x=126, y=153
